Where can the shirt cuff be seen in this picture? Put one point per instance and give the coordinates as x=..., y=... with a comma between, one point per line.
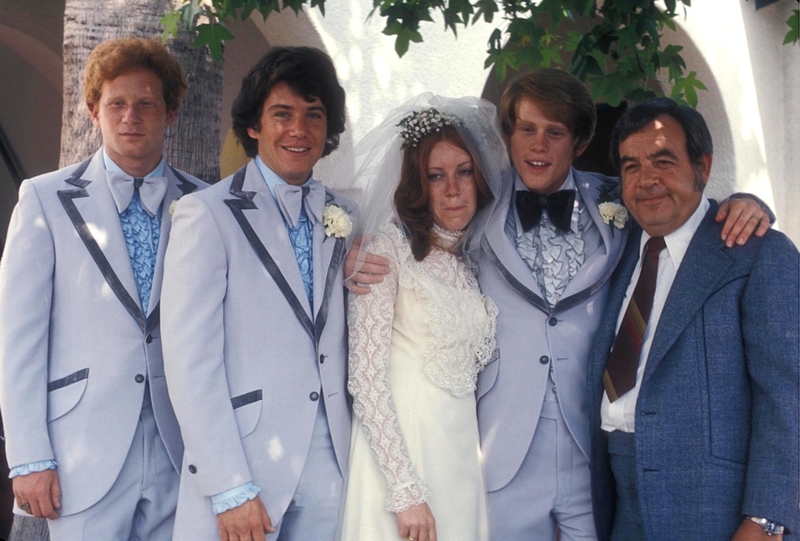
x=32, y=467
x=230, y=499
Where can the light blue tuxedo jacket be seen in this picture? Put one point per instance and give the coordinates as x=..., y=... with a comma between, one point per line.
x=718, y=414
x=531, y=336
x=74, y=343
x=247, y=359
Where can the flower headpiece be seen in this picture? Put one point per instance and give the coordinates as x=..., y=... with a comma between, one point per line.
x=421, y=123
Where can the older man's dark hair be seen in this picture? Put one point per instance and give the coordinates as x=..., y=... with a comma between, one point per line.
x=635, y=119
x=309, y=72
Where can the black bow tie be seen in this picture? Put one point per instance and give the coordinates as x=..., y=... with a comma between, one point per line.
x=558, y=205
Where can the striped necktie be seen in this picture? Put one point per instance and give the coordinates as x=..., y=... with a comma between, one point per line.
x=620, y=375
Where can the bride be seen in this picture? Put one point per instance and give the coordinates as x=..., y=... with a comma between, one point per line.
x=419, y=339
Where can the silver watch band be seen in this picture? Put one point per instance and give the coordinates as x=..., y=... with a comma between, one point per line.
x=769, y=527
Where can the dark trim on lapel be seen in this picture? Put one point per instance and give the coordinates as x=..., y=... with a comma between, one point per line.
x=529, y=295
x=66, y=197
x=330, y=279
x=244, y=202
x=185, y=185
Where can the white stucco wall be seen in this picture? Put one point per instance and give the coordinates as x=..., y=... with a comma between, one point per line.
x=753, y=103
x=375, y=79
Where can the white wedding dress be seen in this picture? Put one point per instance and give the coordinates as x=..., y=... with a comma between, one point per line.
x=417, y=343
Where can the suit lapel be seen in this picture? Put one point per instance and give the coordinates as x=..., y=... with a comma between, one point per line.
x=503, y=253
x=328, y=257
x=596, y=270
x=258, y=215
x=177, y=186
x=704, y=264
x=92, y=211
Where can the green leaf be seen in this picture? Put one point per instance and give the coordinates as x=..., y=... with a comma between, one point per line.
x=170, y=23
x=793, y=35
x=189, y=12
x=404, y=36
x=687, y=88
x=212, y=35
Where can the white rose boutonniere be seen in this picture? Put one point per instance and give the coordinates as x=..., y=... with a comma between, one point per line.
x=336, y=221
x=171, y=208
x=613, y=213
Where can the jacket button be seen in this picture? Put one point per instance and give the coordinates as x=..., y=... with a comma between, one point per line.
x=553, y=321
x=314, y=396
x=321, y=359
x=192, y=469
x=149, y=339
x=544, y=359
x=139, y=378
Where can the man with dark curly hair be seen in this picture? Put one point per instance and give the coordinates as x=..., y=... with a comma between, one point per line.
x=254, y=319
x=91, y=437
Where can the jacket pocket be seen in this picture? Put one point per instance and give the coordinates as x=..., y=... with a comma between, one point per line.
x=63, y=394
x=488, y=377
x=247, y=409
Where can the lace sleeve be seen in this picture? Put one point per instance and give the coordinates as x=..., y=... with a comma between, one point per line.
x=370, y=324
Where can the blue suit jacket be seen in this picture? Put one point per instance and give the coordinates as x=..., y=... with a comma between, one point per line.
x=717, y=415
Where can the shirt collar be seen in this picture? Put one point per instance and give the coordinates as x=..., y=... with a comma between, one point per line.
x=678, y=241
x=271, y=177
x=111, y=165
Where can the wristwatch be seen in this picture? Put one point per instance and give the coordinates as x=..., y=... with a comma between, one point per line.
x=769, y=527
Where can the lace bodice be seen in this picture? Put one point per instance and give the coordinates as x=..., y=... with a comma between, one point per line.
x=457, y=345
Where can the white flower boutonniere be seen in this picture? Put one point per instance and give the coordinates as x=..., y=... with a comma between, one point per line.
x=613, y=213
x=337, y=222
x=171, y=208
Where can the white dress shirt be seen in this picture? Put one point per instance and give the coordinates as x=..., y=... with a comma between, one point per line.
x=621, y=414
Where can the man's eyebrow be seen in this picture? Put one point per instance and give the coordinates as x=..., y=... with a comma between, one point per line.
x=663, y=153
x=626, y=159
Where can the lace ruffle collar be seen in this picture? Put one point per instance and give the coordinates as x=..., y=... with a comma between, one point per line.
x=446, y=237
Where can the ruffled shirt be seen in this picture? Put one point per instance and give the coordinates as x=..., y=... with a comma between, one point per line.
x=460, y=344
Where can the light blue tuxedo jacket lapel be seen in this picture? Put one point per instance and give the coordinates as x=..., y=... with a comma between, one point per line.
x=91, y=208
x=327, y=259
x=704, y=264
x=600, y=265
x=177, y=187
x=503, y=252
x=266, y=231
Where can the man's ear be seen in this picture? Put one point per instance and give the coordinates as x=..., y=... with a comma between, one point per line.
x=93, y=114
x=254, y=131
x=705, y=167
x=171, y=116
x=580, y=150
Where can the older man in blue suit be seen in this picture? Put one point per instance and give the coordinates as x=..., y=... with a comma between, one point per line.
x=694, y=387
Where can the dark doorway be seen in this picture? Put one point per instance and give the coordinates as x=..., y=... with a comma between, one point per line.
x=595, y=158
